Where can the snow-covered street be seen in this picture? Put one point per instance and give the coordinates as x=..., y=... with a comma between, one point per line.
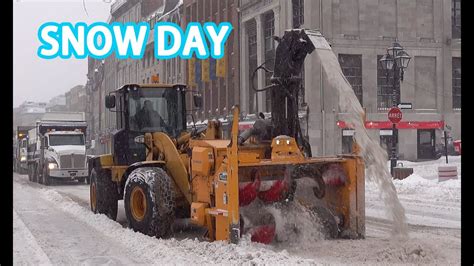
x=54, y=225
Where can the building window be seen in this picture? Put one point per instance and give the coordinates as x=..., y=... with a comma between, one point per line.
x=351, y=66
x=269, y=31
x=456, y=82
x=456, y=18
x=298, y=13
x=252, y=47
x=385, y=88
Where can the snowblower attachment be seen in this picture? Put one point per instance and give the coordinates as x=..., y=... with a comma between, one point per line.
x=248, y=174
x=265, y=168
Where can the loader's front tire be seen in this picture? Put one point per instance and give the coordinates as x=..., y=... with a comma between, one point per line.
x=103, y=193
x=149, y=202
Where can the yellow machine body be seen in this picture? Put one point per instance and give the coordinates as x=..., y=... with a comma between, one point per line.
x=208, y=180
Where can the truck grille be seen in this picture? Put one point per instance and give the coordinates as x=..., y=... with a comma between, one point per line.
x=72, y=161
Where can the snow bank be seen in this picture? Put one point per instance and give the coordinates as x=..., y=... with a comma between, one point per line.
x=427, y=201
x=423, y=183
x=172, y=251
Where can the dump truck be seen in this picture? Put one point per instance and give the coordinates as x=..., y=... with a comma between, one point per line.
x=163, y=171
x=20, y=149
x=56, y=148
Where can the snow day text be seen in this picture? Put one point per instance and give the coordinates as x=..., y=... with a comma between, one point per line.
x=99, y=40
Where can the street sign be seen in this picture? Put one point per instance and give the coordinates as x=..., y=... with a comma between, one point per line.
x=395, y=115
x=405, y=106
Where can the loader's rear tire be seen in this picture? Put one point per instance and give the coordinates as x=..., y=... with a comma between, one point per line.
x=149, y=202
x=103, y=193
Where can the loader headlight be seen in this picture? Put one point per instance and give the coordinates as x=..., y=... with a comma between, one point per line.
x=287, y=142
x=23, y=158
x=278, y=142
x=52, y=166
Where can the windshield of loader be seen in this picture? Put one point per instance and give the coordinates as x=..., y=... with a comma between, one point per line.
x=156, y=110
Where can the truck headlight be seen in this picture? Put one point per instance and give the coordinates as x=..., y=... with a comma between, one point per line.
x=52, y=166
x=23, y=158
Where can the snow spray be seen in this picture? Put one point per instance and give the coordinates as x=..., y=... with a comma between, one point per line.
x=374, y=156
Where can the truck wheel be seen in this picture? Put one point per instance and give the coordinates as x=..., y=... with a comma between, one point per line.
x=149, y=202
x=46, y=180
x=103, y=194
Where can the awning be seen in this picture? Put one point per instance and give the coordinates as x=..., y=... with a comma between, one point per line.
x=400, y=125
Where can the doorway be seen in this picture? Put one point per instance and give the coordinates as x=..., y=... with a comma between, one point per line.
x=426, y=144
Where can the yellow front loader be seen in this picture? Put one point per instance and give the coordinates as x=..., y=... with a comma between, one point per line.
x=164, y=172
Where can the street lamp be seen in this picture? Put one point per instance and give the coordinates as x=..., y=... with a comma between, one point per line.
x=395, y=61
x=387, y=62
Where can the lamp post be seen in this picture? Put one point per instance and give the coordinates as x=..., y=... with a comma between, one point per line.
x=394, y=62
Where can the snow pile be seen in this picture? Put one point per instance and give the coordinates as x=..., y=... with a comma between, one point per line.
x=446, y=191
x=296, y=226
x=426, y=201
x=424, y=184
x=172, y=251
x=413, y=251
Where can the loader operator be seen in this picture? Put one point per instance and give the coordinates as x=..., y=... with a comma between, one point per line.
x=148, y=117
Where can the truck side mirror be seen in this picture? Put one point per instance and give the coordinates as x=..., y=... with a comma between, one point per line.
x=197, y=98
x=110, y=101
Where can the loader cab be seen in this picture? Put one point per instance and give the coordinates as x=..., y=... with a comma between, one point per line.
x=144, y=109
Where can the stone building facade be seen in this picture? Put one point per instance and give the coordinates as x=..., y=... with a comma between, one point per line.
x=360, y=31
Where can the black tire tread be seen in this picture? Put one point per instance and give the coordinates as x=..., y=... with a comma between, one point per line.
x=106, y=193
x=157, y=183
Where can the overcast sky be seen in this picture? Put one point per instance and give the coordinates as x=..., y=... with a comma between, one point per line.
x=36, y=79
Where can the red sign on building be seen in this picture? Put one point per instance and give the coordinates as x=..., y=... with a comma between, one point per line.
x=401, y=125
